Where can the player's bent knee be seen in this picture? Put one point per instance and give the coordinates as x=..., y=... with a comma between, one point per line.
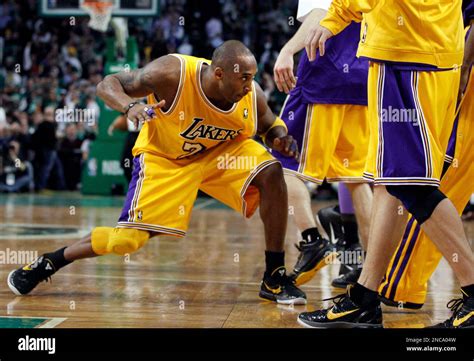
x=100, y=239
x=271, y=175
x=127, y=240
x=420, y=201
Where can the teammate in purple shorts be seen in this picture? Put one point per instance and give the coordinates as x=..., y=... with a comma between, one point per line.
x=326, y=111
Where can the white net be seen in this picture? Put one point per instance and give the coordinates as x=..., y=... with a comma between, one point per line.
x=100, y=13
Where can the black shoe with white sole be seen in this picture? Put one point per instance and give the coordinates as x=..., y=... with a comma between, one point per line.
x=23, y=280
x=280, y=288
x=344, y=313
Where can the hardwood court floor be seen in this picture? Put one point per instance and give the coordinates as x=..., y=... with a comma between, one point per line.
x=210, y=278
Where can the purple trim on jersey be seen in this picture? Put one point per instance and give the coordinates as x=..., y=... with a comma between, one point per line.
x=131, y=189
x=403, y=145
x=294, y=114
x=339, y=77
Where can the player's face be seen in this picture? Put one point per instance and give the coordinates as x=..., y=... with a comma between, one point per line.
x=237, y=81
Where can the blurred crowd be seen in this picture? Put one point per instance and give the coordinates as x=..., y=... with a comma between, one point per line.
x=49, y=66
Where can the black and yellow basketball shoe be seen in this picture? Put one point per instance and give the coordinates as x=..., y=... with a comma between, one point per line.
x=280, y=288
x=463, y=314
x=23, y=280
x=313, y=256
x=344, y=313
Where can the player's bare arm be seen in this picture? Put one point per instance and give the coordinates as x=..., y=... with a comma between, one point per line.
x=283, y=69
x=160, y=77
x=275, y=136
x=340, y=15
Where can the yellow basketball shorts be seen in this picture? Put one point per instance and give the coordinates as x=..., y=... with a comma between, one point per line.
x=411, y=116
x=162, y=191
x=416, y=257
x=332, y=138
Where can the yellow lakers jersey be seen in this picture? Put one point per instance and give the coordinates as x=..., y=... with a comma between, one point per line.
x=192, y=123
x=413, y=31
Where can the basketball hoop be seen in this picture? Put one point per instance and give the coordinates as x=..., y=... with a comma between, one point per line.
x=100, y=13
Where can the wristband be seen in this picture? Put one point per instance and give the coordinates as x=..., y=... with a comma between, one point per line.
x=277, y=123
x=128, y=107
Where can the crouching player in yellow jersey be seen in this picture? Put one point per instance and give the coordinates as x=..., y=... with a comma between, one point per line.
x=199, y=113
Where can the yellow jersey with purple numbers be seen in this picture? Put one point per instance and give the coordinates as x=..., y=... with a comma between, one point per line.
x=192, y=124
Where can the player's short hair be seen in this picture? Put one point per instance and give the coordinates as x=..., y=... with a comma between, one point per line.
x=227, y=54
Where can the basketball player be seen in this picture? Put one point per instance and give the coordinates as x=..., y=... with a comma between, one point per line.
x=416, y=258
x=198, y=114
x=326, y=112
x=415, y=49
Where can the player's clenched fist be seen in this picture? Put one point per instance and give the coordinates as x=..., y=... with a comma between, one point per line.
x=287, y=146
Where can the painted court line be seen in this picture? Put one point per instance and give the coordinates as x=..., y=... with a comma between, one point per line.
x=52, y=322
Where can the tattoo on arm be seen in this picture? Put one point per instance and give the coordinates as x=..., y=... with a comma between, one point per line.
x=136, y=82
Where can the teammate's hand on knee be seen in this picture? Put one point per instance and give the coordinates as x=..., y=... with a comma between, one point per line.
x=287, y=146
x=315, y=39
x=143, y=112
x=283, y=72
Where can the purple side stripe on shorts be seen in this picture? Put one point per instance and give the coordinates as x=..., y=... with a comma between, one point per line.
x=294, y=114
x=131, y=189
x=404, y=145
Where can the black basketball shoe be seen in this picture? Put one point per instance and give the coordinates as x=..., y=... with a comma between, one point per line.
x=23, y=280
x=345, y=279
x=352, y=259
x=280, y=288
x=463, y=314
x=313, y=256
x=344, y=313
x=329, y=219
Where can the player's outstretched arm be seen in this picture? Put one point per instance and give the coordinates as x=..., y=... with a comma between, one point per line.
x=160, y=77
x=272, y=129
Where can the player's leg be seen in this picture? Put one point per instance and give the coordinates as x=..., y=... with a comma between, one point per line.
x=362, y=197
x=347, y=165
x=299, y=201
x=389, y=167
x=113, y=240
x=256, y=180
x=315, y=251
x=316, y=128
x=140, y=219
x=406, y=279
x=355, y=202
